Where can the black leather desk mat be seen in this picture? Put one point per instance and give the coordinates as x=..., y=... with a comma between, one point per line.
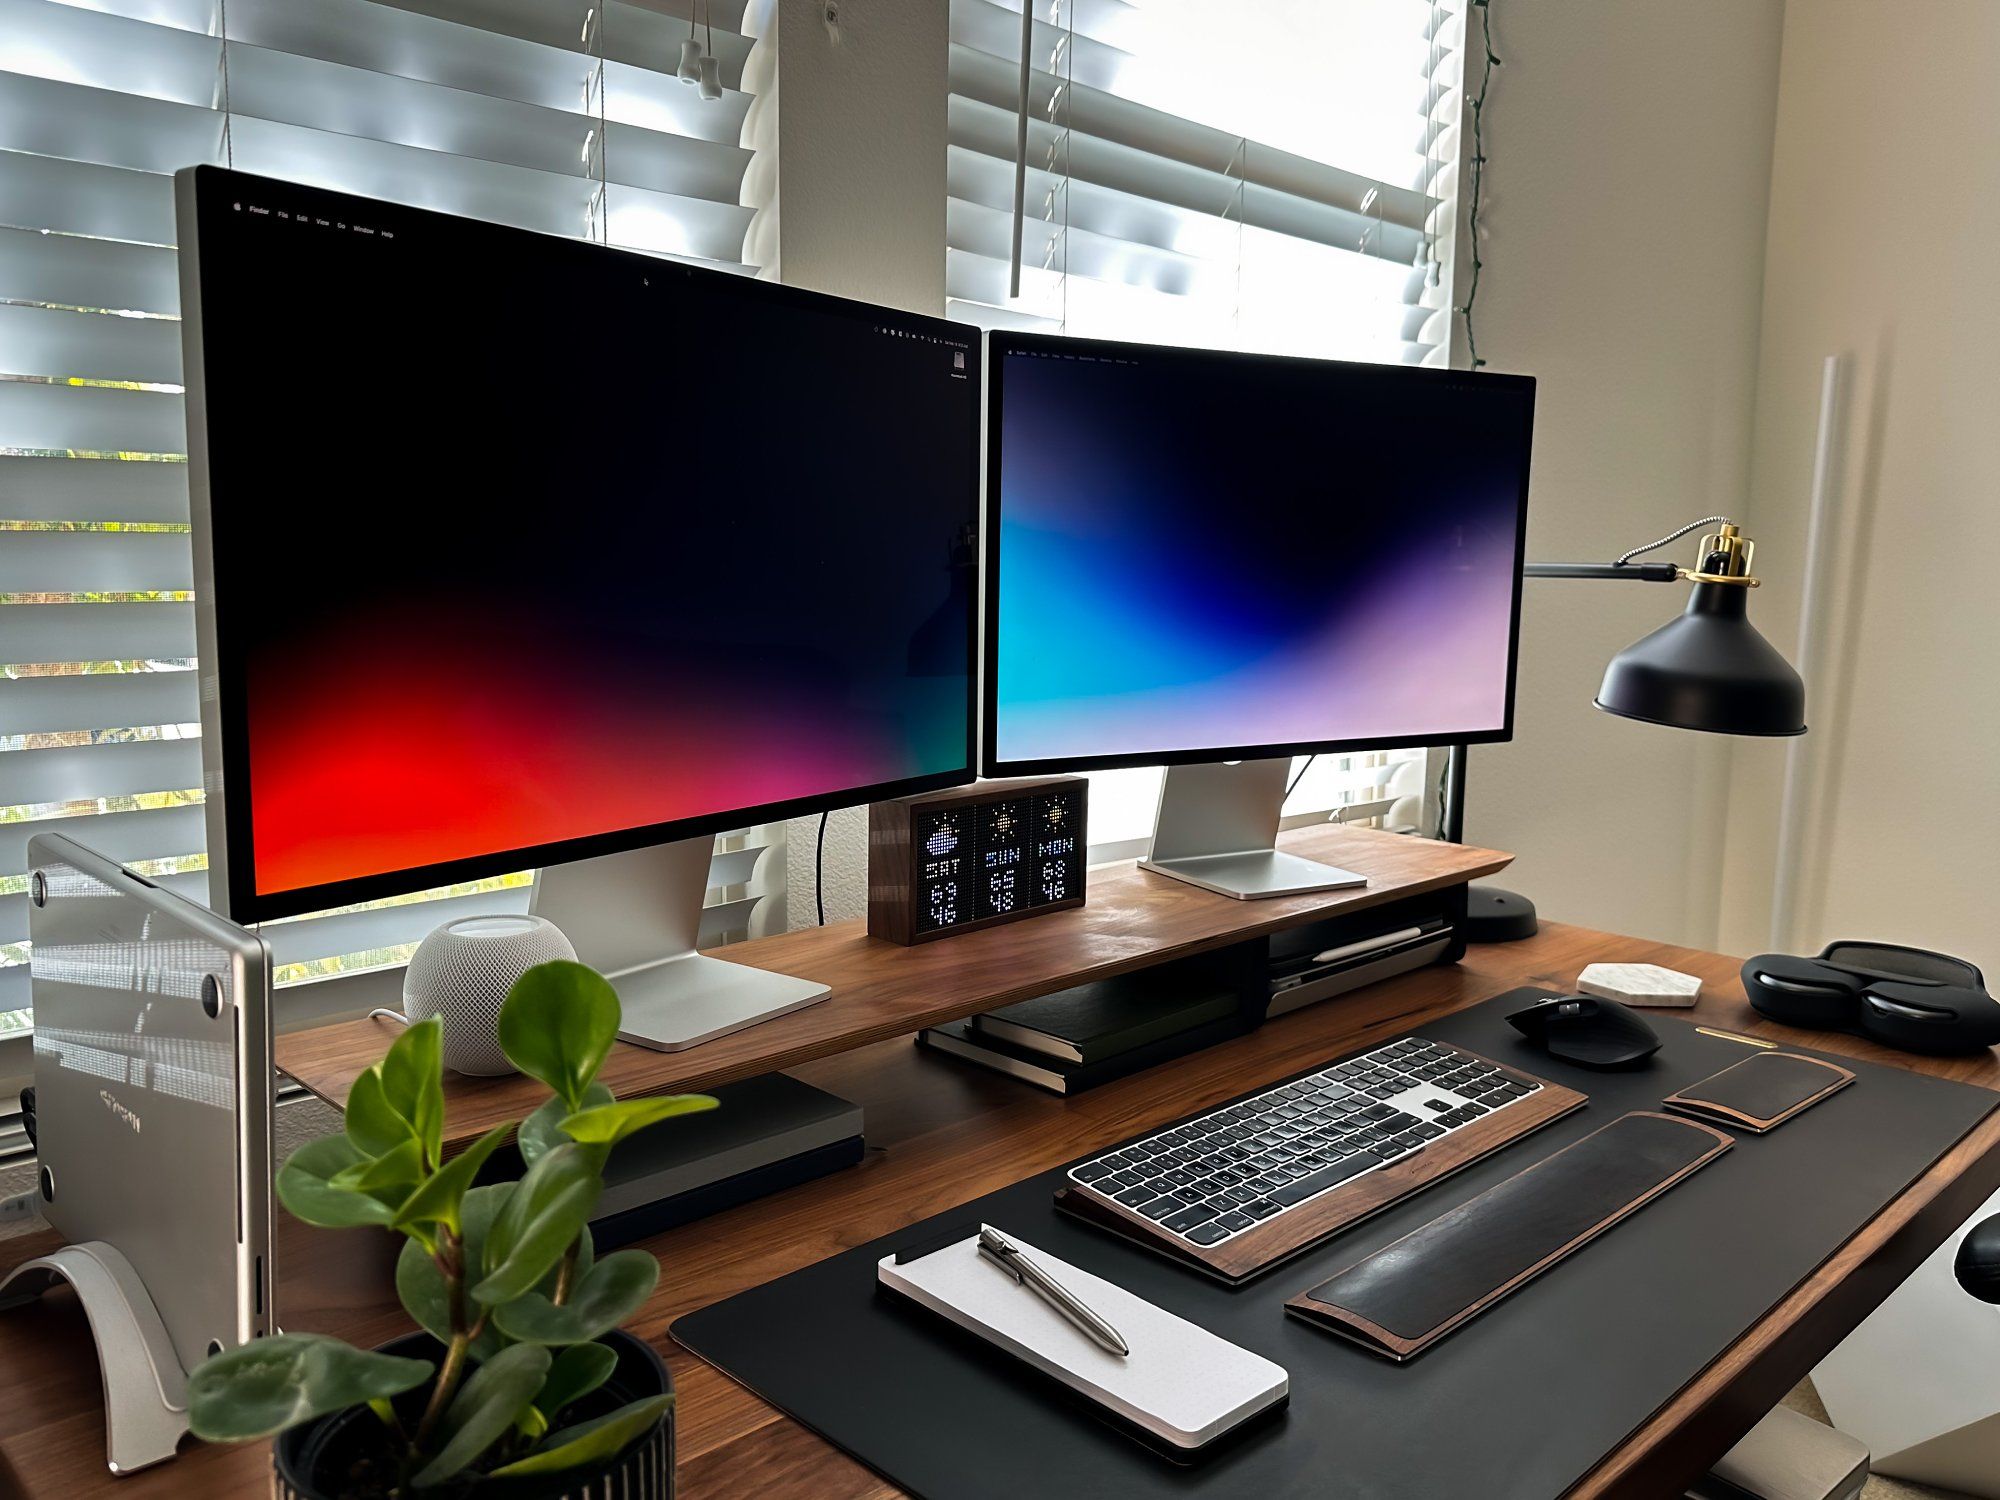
x=1516, y=1405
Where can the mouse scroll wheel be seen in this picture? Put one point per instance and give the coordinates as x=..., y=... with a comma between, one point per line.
x=1569, y=1008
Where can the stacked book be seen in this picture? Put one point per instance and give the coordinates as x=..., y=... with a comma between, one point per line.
x=1078, y=1038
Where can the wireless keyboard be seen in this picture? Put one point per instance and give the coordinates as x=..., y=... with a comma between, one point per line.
x=1241, y=1188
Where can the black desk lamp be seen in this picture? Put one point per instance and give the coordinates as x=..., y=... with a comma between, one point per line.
x=1708, y=670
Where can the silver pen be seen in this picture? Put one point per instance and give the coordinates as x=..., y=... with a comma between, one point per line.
x=1005, y=1254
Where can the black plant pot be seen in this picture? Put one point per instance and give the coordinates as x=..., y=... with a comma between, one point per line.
x=344, y=1457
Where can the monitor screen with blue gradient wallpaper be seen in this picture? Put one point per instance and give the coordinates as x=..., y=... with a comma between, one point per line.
x=1195, y=552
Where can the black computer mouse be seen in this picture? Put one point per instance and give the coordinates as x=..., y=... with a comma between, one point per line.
x=1584, y=1029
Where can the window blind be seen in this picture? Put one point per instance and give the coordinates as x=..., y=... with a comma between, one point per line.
x=563, y=116
x=1274, y=175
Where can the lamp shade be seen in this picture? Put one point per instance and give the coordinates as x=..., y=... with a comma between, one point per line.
x=1708, y=670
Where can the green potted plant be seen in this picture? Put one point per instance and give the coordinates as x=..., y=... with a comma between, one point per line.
x=521, y=1386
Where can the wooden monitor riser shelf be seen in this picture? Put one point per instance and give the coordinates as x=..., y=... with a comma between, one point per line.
x=950, y=1134
x=1132, y=918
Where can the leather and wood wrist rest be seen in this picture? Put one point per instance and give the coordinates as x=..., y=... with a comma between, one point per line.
x=1762, y=1092
x=1402, y=1299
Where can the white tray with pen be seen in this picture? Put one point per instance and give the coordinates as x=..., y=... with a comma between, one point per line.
x=1176, y=1383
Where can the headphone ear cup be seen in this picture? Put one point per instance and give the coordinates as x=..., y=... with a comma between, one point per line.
x=1942, y=1020
x=1803, y=992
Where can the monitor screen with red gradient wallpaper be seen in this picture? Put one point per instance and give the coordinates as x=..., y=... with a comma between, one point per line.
x=524, y=549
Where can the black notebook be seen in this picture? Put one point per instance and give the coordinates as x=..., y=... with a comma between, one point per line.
x=1093, y=1022
x=1058, y=1074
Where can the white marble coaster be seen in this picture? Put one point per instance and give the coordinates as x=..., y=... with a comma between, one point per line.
x=1639, y=984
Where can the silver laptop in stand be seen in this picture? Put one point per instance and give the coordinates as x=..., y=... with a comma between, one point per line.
x=153, y=1097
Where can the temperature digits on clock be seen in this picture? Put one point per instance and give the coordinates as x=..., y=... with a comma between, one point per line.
x=998, y=858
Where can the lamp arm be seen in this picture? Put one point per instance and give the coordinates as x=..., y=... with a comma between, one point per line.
x=1451, y=795
x=1636, y=572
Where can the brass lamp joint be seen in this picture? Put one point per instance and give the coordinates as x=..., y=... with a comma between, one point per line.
x=1724, y=558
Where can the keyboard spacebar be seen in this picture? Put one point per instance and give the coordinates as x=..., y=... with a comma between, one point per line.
x=1324, y=1178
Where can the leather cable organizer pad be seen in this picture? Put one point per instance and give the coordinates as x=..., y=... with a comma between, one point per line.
x=1402, y=1299
x=1760, y=1093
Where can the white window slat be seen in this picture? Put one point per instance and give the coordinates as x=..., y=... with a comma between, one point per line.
x=994, y=31
x=128, y=837
x=69, y=271
x=354, y=102
x=987, y=234
x=89, y=345
x=408, y=44
x=76, y=562
x=95, y=632
x=91, y=489
x=101, y=50
x=662, y=224
x=97, y=700
x=73, y=773
x=82, y=123
x=976, y=178
x=79, y=197
x=35, y=416
x=734, y=866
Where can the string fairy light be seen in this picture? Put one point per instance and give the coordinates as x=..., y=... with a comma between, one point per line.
x=1478, y=104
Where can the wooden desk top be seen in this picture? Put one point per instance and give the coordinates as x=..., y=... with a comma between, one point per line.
x=1133, y=919
x=946, y=1133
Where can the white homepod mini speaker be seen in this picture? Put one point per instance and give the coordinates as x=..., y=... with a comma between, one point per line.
x=462, y=971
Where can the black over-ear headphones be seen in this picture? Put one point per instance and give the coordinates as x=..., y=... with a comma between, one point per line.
x=1907, y=998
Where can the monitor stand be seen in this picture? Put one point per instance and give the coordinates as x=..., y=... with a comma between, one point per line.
x=1217, y=829
x=634, y=917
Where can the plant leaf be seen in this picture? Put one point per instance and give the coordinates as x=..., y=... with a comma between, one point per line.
x=438, y=1198
x=531, y=1424
x=267, y=1385
x=387, y=1179
x=420, y=1285
x=615, y=1288
x=558, y=1023
x=373, y=1125
x=485, y=1408
x=541, y=1221
x=594, y=1441
x=542, y=1131
x=576, y=1372
x=305, y=1187
x=413, y=1084
x=608, y=1124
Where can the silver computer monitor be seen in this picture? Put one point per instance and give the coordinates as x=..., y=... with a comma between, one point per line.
x=154, y=1089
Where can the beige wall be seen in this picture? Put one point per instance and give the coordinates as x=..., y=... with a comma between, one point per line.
x=1630, y=148
x=1884, y=223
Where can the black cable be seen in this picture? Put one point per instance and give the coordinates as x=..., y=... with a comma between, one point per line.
x=819, y=872
x=1300, y=777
